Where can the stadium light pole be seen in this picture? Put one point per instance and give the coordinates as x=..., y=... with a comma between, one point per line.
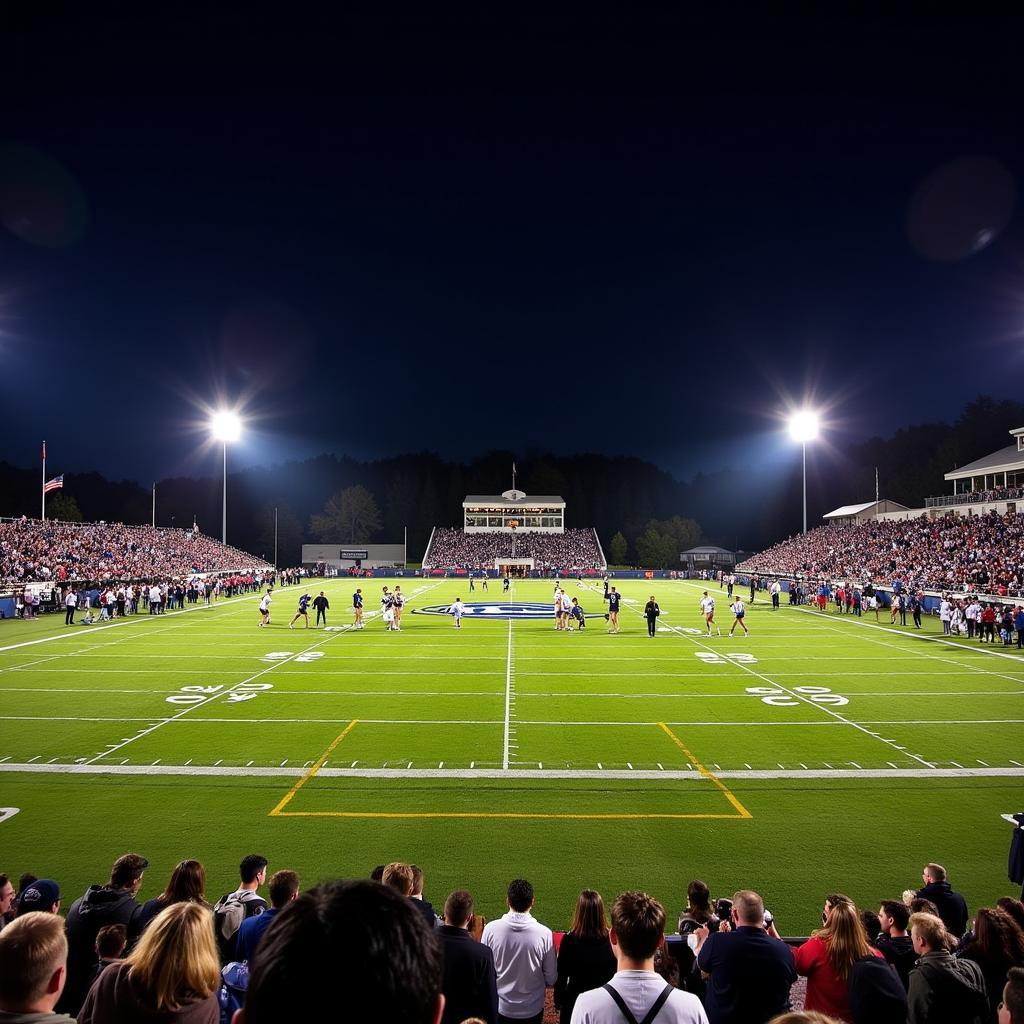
x=225, y=427
x=803, y=427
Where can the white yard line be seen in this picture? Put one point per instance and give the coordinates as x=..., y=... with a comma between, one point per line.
x=508, y=699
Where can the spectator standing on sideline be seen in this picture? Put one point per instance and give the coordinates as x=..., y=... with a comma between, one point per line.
x=524, y=958
x=321, y=604
x=470, y=984
x=70, y=604
x=952, y=906
x=586, y=959
x=651, y=613
x=637, y=992
x=33, y=969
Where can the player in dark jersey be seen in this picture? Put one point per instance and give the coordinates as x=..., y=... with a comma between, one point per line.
x=357, y=608
x=613, y=598
x=302, y=613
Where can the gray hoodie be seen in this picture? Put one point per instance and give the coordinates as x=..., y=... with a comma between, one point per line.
x=945, y=990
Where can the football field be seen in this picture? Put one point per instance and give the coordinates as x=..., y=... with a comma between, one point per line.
x=822, y=753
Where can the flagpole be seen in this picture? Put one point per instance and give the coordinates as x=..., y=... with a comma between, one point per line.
x=44, y=481
x=154, y=505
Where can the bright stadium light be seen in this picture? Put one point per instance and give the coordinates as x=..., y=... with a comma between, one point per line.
x=803, y=427
x=225, y=426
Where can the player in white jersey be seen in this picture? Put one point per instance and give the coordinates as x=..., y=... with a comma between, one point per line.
x=707, y=607
x=558, y=608
x=456, y=613
x=739, y=611
x=265, y=603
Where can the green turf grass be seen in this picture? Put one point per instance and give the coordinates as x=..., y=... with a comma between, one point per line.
x=621, y=751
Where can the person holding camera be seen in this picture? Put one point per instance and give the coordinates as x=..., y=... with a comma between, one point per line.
x=749, y=968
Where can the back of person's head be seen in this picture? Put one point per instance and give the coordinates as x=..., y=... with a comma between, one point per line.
x=872, y=925
x=417, y=873
x=844, y=936
x=638, y=921
x=919, y=905
x=186, y=884
x=359, y=941
x=377, y=873
x=936, y=872
x=33, y=959
x=458, y=908
x=898, y=911
x=250, y=867
x=930, y=930
x=1015, y=908
x=127, y=870
x=1013, y=995
x=176, y=960
x=803, y=1017
x=520, y=895
x=283, y=887
x=398, y=876
x=589, y=921
x=111, y=940
x=749, y=907
x=698, y=896
x=998, y=935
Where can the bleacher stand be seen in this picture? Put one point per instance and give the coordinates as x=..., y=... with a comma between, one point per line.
x=571, y=551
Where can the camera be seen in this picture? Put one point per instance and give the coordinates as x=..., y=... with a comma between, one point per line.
x=768, y=919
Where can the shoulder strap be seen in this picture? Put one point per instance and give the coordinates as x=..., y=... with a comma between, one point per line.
x=652, y=1013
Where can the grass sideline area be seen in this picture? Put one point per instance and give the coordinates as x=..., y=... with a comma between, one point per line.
x=822, y=753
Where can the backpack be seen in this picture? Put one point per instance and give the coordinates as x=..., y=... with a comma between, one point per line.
x=229, y=913
x=877, y=995
x=231, y=996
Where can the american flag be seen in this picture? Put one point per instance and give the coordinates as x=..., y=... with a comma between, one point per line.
x=54, y=484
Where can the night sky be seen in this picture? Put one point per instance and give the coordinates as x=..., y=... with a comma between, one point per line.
x=386, y=234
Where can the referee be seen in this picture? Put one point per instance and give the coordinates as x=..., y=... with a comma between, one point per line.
x=321, y=604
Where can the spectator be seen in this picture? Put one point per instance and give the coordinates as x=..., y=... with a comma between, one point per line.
x=894, y=942
x=1015, y=908
x=424, y=906
x=283, y=888
x=470, y=983
x=360, y=942
x=7, y=895
x=571, y=551
x=943, y=990
x=636, y=992
x=749, y=970
x=33, y=968
x=997, y=945
x=111, y=942
x=235, y=907
x=586, y=959
x=41, y=895
x=187, y=884
x=524, y=958
x=952, y=906
x=113, y=903
x=803, y=1017
x=1011, y=1011
x=827, y=956
x=171, y=976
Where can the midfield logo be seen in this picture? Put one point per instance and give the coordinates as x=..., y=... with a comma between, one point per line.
x=493, y=610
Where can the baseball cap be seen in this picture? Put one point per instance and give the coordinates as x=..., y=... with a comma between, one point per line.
x=39, y=895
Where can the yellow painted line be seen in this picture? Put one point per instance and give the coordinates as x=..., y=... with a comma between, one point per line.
x=321, y=761
x=710, y=776
x=496, y=814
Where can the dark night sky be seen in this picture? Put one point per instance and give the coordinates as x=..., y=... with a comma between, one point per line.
x=623, y=234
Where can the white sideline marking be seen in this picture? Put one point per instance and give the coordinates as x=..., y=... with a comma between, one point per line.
x=501, y=773
x=508, y=697
x=8, y=812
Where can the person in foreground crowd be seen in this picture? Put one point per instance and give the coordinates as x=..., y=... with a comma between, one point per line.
x=1011, y=1009
x=33, y=969
x=113, y=903
x=586, y=959
x=171, y=976
x=636, y=992
x=358, y=946
x=470, y=984
x=283, y=888
x=996, y=946
x=235, y=907
x=41, y=894
x=750, y=970
x=894, y=942
x=524, y=957
x=187, y=884
x=943, y=990
x=952, y=906
x=828, y=955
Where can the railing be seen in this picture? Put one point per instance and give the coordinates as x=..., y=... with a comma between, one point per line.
x=975, y=497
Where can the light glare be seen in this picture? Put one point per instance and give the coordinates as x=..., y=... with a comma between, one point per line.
x=803, y=426
x=226, y=426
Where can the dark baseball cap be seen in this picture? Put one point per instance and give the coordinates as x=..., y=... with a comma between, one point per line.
x=39, y=895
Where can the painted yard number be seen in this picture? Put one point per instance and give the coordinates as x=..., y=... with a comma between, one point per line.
x=786, y=699
x=198, y=694
x=711, y=658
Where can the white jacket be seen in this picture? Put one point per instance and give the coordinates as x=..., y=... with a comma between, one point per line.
x=525, y=962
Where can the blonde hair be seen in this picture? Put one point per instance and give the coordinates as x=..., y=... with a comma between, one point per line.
x=399, y=876
x=931, y=929
x=844, y=936
x=32, y=947
x=176, y=959
x=803, y=1017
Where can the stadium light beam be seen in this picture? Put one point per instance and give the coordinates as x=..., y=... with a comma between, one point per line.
x=225, y=426
x=803, y=427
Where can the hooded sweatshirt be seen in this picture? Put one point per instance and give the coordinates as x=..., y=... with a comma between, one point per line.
x=944, y=990
x=524, y=960
x=99, y=907
x=115, y=997
x=7, y=1017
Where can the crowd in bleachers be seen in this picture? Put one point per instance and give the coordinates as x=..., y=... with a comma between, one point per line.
x=32, y=550
x=569, y=551
x=969, y=554
x=376, y=950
